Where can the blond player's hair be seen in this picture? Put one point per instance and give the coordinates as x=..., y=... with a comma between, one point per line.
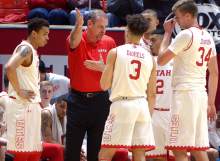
x=149, y=12
x=186, y=6
x=45, y=83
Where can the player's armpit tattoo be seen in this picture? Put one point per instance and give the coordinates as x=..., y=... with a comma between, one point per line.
x=46, y=125
x=24, y=50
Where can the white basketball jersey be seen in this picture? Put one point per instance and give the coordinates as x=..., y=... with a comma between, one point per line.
x=132, y=70
x=146, y=44
x=28, y=77
x=163, y=88
x=193, y=48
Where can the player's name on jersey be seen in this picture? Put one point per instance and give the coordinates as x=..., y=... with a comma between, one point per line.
x=163, y=72
x=205, y=41
x=135, y=54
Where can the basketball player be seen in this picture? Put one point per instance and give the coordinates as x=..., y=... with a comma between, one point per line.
x=24, y=115
x=161, y=113
x=131, y=75
x=151, y=17
x=193, y=50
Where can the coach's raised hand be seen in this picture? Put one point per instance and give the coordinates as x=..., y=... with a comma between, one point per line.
x=79, y=18
x=76, y=33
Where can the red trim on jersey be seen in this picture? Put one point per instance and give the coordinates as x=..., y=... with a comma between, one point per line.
x=162, y=109
x=188, y=148
x=190, y=43
x=24, y=152
x=147, y=147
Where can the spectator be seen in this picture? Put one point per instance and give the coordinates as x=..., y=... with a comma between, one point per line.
x=193, y=50
x=83, y=6
x=24, y=115
x=119, y=9
x=88, y=104
x=60, y=83
x=53, y=11
x=130, y=73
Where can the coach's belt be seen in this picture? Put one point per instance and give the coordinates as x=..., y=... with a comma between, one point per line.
x=162, y=109
x=87, y=94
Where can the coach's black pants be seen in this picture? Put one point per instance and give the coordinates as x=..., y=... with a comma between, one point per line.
x=86, y=113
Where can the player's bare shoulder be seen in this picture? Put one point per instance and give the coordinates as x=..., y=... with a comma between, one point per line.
x=24, y=51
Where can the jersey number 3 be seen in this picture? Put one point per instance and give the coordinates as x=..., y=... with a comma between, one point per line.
x=136, y=75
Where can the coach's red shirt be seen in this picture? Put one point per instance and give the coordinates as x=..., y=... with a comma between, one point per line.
x=81, y=78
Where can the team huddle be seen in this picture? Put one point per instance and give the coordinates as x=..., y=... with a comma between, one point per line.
x=148, y=95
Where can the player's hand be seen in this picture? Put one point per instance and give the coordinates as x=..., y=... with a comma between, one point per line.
x=26, y=94
x=95, y=65
x=79, y=18
x=169, y=25
x=212, y=116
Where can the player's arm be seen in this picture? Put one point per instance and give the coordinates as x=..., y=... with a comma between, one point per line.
x=46, y=126
x=165, y=55
x=23, y=56
x=212, y=87
x=107, y=75
x=76, y=33
x=151, y=88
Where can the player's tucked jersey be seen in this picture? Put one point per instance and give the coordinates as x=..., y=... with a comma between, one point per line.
x=193, y=48
x=132, y=71
x=163, y=88
x=28, y=77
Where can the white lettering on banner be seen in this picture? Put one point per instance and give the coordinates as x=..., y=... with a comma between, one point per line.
x=58, y=62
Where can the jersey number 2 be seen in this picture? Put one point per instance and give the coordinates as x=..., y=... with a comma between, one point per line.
x=136, y=75
x=159, y=87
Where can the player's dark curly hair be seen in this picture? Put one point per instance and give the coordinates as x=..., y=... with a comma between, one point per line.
x=137, y=24
x=36, y=24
